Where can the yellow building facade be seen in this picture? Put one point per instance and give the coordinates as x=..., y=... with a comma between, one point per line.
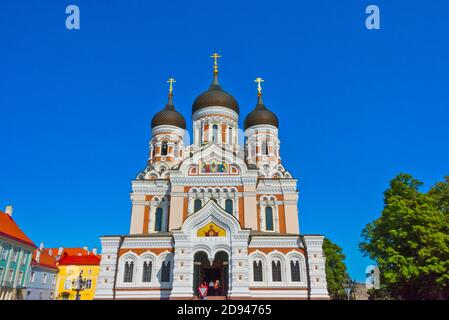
x=72, y=268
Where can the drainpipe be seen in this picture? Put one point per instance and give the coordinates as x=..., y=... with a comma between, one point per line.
x=307, y=265
x=122, y=238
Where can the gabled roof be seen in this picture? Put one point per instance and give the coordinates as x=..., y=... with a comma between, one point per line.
x=80, y=260
x=45, y=259
x=10, y=229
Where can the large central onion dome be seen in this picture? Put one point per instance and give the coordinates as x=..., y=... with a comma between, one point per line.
x=168, y=116
x=261, y=115
x=215, y=96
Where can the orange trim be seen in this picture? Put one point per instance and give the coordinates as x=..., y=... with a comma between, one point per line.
x=185, y=209
x=281, y=213
x=139, y=251
x=268, y=250
x=242, y=211
x=146, y=218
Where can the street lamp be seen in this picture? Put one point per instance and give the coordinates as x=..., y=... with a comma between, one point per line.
x=79, y=285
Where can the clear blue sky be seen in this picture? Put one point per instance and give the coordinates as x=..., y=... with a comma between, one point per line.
x=356, y=107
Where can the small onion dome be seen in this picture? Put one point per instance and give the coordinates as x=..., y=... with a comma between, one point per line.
x=215, y=96
x=260, y=115
x=168, y=116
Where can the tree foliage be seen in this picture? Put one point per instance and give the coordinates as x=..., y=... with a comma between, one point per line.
x=336, y=272
x=410, y=240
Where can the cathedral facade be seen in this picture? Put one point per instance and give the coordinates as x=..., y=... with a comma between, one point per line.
x=213, y=210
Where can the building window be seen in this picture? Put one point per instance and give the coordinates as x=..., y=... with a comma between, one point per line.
x=146, y=275
x=20, y=278
x=10, y=274
x=269, y=219
x=229, y=206
x=129, y=269
x=276, y=271
x=24, y=258
x=257, y=270
x=215, y=133
x=230, y=135
x=54, y=280
x=197, y=204
x=264, y=148
x=164, y=149
x=44, y=278
x=88, y=284
x=294, y=268
x=165, y=271
x=67, y=284
x=15, y=255
x=51, y=295
x=158, y=221
x=33, y=276
x=5, y=252
x=1, y=273
x=28, y=295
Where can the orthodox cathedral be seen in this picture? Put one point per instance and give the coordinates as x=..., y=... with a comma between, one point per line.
x=213, y=212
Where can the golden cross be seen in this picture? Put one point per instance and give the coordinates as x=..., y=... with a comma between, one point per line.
x=215, y=56
x=259, y=87
x=171, y=81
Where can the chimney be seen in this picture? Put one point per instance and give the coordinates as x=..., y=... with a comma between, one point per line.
x=60, y=251
x=86, y=249
x=50, y=252
x=41, y=247
x=94, y=251
x=8, y=210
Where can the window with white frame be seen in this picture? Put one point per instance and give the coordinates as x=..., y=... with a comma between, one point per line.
x=15, y=255
x=295, y=271
x=158, y=219
x=165, y=271
x=164, y=148
x=146, y=271
x=229, y=206
x=269, y=219
x=197, y=204
x=276, y=271
x=44, y=278
x=20, y=278
x=67, y=284
x=257, y=271
x=33, y=276
x=128, y=272
x=10, y=274
x=5, y=251
x=24, y=258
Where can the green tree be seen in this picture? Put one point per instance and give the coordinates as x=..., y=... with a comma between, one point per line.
x=336, y=273
x=410, y=240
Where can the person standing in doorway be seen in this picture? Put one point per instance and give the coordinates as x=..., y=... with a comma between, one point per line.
x=217, y=287
x=211, y=288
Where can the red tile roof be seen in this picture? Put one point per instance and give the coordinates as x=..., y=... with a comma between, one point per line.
x=82, y=260
x=45, y=259
x=10, y=229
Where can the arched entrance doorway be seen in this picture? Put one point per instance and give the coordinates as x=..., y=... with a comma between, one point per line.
x=205, y=271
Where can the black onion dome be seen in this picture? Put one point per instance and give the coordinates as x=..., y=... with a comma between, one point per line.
x=168, y=116
x=215, y=96
x=260, y=115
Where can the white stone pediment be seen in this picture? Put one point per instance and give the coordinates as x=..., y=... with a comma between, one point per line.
x=211, y=212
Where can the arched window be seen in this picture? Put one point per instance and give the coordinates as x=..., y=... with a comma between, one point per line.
x=197, y=204
x=269, y=219
x=294, y=268
x=257, y=271
x=146, y=271
x=264, y=148
x=129, y=269
x=276, y=271
x=230, y=135
x=165, y=271
x=158, y=220
x=215, y=133
x=164, y=149
x=229, y=206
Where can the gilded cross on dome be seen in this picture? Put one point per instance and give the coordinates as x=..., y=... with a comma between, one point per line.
x=259, y=87
x=215, y=56
x=171, y=81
